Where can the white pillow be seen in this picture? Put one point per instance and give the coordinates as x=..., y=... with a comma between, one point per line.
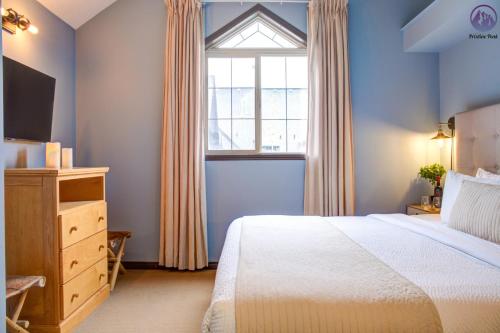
x=481, y=173
x=477, y=211
x=452, y=185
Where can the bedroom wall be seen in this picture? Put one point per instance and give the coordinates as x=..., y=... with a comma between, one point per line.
x=395, y=98
x=119, y=61
x=469, y=76
x=119, y=111
x=51, y=51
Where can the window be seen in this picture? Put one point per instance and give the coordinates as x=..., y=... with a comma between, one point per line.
x=257, y=89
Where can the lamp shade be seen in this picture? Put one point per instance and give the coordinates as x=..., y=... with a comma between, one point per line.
x=440, y=135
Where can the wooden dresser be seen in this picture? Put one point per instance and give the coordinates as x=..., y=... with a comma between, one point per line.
x=56, y=226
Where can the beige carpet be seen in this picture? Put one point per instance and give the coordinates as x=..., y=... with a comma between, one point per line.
x=154, y=301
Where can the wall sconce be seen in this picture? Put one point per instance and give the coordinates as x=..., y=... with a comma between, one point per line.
x=12, y=20
x=441, y=136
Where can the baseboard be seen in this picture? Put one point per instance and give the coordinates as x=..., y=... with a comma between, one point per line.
x=140, y=265
x=213, y=265
x=155, y=265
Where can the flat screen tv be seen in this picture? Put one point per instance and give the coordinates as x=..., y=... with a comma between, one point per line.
x=28, y=97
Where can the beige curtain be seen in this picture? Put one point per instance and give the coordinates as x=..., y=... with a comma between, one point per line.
x=329, y=179
x=183, y=217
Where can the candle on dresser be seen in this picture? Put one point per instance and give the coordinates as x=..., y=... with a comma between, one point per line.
x=53, y=155
x=67, y=158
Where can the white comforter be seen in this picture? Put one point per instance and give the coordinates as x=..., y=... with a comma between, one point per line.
x=460, y=273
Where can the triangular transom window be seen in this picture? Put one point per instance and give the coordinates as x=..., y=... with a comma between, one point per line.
x=258, y=28
x=258, y=35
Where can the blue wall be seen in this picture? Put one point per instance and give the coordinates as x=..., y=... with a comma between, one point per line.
x=469, y=76
x=395, y=97
x=119, y=112
x=240, y=188
x=51, y=51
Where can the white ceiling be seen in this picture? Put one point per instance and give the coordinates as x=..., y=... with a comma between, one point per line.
x=76, y=12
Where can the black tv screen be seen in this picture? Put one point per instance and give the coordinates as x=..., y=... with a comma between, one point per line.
x=28, y=102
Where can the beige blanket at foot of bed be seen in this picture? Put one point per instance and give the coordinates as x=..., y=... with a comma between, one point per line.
x=308, y=276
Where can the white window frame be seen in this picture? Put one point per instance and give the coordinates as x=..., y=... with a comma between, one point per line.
x=257, y=54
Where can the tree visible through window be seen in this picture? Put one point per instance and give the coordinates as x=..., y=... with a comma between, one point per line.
x=257, y=90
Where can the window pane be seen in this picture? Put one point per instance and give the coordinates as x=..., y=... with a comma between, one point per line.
x=219, y=72
x=250, y=30
x=243, y=73
x=297, y=103
x=297, y=135
x=273, y=103
x=273, y=136
x=243, y=134
x=283, y=42
x=296, y=72
x=232, y=42
x=231, y=103
x=273, y=72
x=268, y=32
x=244, y=103
x=219, y=134
x=219, y=103
x=258, y=40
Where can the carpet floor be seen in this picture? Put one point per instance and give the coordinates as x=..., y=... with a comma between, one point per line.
x=153, y=301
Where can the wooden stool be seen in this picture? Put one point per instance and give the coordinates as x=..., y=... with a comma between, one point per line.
x=116, y=250
x=18, y=286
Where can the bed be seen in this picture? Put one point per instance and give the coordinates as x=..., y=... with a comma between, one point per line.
x=377, y=273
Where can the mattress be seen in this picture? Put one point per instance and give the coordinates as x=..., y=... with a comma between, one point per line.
x=459, y=272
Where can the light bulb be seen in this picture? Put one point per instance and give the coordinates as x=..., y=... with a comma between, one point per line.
x=33, y=29
x=4, y=12
x=440, y=143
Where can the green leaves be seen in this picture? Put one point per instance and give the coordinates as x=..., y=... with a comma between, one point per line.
x=432, y=172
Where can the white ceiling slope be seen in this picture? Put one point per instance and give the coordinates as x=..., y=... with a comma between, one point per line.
x=76, y=12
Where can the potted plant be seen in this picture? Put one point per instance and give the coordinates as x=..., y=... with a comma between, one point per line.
x=433, y=174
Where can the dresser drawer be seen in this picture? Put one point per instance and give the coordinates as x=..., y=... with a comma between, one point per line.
x=82, y=223
x=77, y=291
x=80, y=256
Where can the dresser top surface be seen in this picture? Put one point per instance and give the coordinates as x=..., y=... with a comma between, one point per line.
x=54, y=172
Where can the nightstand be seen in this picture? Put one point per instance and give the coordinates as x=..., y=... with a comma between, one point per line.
x=417, y=209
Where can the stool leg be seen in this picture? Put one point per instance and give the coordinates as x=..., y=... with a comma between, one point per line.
x=19, y=306
x=116, y=266
x=122, y=268
x=12, y=327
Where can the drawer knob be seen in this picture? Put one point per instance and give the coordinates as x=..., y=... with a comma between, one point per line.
x=74, y=296
x=101, y=218
x=73, y=263
x=101, y=247
x=101, y=276
x=74, y=228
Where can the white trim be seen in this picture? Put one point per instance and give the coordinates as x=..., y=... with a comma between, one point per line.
x=254, y=52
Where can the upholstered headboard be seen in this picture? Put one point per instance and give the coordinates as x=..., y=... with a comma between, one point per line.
x=478, y=140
